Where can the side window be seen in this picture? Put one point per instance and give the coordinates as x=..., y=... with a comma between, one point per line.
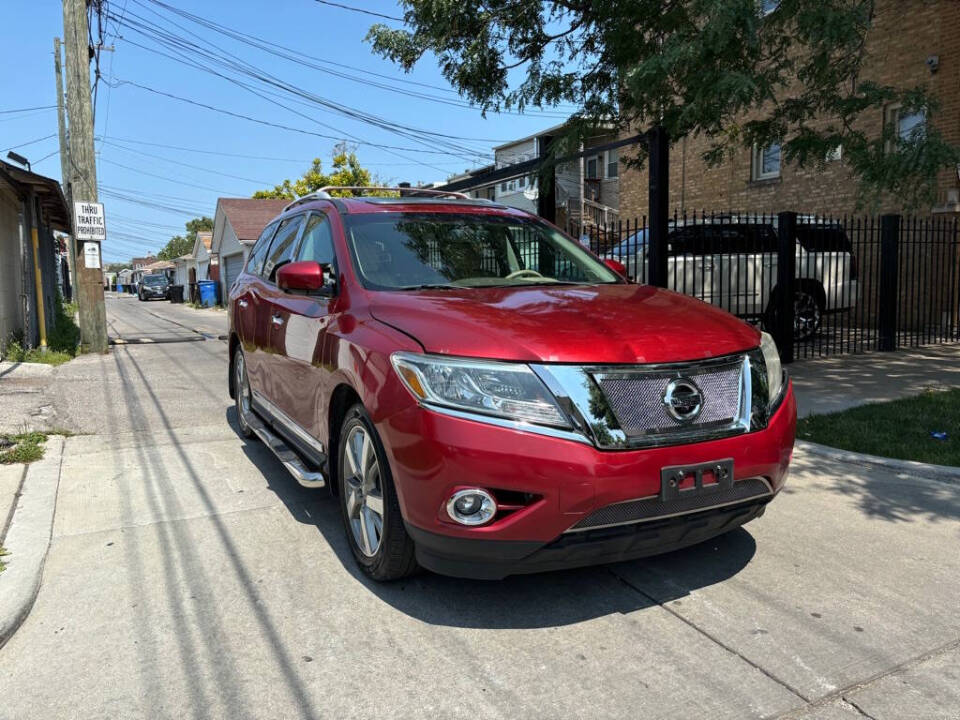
x=317, y=243
x=281, y=251
x=255, y=263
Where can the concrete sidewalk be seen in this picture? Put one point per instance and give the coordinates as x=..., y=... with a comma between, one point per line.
x=836, y=383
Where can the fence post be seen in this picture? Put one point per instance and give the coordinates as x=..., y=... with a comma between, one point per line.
x=889, y=280
x=786, y=280
x=659, y=200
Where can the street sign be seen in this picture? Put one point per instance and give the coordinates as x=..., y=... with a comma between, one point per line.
x=89, y=223
x=91, y=255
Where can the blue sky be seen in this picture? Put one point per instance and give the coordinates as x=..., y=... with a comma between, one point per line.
x=149, y=145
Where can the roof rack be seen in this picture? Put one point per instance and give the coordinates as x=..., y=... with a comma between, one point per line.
x=324, y=193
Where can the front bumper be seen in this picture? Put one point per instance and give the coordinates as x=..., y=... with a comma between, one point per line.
x=432, y=455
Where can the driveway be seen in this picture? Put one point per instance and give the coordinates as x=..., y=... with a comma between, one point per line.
x=190, y=576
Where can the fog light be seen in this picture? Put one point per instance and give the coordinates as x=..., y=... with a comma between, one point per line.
x=471, y=507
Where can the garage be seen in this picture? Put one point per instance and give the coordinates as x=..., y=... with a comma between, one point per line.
x=232, y=267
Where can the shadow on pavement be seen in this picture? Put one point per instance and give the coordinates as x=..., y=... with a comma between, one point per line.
x=522, y=601
x=882, y=494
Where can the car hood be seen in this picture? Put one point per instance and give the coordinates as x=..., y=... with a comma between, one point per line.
x=583, y=324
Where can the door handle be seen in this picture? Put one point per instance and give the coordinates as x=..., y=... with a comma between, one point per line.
x=277, y=320
x=242, y=303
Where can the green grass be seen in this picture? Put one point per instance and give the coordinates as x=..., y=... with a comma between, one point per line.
x=897, y=429
x=62, y=343
x=27, y=448
x=3, y=551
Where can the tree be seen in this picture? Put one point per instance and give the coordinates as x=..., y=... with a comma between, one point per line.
x=183, y=245
x=740, y=72
x=346, y=171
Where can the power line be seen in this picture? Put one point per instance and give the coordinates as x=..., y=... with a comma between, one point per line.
x=31, y=142
x=176, y=181
x=268, y=123
x=183, y=164
x=233, y=63
x=358, y=10
x=20, y=110
x=206, y=152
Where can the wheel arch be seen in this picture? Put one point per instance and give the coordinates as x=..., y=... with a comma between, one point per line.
x=343, y=397
x=233, y=345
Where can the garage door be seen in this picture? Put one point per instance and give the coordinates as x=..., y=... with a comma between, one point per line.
x=232, y=265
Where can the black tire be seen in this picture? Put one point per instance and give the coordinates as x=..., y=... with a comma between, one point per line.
x=241, y=392
x=808, y=313
x=394, y=557
x=140, y=296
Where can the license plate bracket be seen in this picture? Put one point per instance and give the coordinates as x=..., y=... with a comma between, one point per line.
x=677, y=481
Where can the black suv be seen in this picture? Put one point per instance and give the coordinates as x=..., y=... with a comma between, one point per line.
x=154, y=286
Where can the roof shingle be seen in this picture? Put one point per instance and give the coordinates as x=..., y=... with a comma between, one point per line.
x=249, y=216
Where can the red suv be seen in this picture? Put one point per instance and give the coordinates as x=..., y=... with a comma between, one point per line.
x=486, y=397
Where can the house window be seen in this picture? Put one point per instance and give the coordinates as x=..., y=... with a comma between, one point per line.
x=521, y=181
x=766, y=162
x=613, y=158
x=503, y=186
x=910, y=125
x=593, y=167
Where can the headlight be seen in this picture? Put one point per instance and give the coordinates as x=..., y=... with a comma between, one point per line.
x=503, y=390
x=767, y=381
x=771, y=358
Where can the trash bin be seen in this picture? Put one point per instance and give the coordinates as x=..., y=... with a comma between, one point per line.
x=208, y=292
x=176, y=293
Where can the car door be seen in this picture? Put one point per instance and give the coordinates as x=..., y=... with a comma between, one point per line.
x=298, y=329
x=281, y=252
x=246, y=296
x=690, y=261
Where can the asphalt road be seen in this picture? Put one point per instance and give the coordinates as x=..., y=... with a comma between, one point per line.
x=189, y=576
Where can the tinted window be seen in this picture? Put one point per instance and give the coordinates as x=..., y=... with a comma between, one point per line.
x=700, y=240
x=317, y=243
x=742, y=239
x=255, y=263
x=823, y=238
x=281, y=251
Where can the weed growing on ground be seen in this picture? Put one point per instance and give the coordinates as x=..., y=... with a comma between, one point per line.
x=25, y=447
x=3, y=552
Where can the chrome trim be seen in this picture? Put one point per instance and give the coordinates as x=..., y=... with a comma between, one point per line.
x=486, y=513
x=508, y=424
x=762, y=479
x=288, y=423
x=578, y=392
x=286, y=455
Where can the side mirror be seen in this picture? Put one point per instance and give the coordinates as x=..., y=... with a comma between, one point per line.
x=308, y=277
x=618, y=267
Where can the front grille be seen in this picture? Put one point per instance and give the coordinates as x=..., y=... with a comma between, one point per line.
x=651, y=508
x=636, y=399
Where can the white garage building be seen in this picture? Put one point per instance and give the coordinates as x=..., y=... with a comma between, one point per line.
x=236, y=226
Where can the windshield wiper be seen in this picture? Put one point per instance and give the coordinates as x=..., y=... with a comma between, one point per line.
x=432, y=286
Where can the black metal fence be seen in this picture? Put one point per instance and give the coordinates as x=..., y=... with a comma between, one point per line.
x=821, y=285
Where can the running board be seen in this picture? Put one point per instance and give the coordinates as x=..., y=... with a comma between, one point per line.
x=290, y=459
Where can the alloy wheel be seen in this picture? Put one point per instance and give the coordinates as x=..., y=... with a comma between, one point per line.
x=363, y=490
x=241, y=385
x=806, y=315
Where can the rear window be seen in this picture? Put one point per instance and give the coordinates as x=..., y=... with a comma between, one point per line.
x=823, y=238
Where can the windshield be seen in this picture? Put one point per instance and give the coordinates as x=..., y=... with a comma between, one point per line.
x=154, y=280
x=631, y=245
x=406, y=251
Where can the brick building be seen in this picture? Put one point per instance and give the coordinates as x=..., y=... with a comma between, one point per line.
x=911, y=43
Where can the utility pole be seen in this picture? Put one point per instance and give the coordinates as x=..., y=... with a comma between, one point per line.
x=64, y=154
x=83, y=170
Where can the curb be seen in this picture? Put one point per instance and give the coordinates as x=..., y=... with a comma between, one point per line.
x=28, y=538
x=942, y=473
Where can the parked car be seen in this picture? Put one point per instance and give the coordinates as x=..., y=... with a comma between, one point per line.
x=154, y=285
x=486, y=397
x=731, y=262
